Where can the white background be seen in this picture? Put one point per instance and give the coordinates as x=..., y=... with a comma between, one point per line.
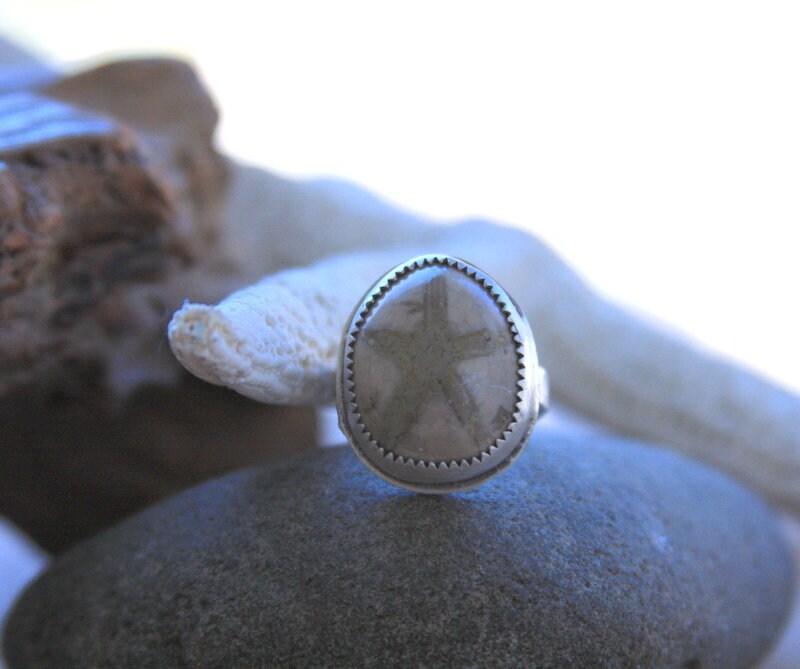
x=655, y=145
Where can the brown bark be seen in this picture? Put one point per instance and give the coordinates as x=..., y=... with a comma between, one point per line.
x=110, y=205
x=81, y=219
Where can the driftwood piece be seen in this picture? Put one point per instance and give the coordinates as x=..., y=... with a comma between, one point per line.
x=110, y=196
x=109, y=211
x=164, y=101
x=81, y=217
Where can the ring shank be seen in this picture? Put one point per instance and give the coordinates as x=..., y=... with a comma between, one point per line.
x=543, y=390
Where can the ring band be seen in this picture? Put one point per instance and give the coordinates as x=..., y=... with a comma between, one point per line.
x=439, y=385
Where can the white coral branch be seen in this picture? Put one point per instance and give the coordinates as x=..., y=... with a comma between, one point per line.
x=276, y=341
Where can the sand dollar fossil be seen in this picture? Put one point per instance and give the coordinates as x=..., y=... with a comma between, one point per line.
x=439, y=383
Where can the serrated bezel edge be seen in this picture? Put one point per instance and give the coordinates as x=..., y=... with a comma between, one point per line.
x=441, y=475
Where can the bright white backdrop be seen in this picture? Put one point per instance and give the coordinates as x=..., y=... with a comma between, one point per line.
x=654, y=145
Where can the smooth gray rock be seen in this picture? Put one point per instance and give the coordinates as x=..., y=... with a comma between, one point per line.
x=586, y=553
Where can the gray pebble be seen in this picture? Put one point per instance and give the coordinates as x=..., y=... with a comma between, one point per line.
x=586, y=553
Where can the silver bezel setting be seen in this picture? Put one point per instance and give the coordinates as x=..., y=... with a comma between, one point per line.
x=440, y=476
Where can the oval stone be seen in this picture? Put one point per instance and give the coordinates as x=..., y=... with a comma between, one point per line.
x=587, y=553
x=437, y=368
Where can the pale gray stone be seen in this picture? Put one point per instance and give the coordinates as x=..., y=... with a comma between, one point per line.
x=586, y=553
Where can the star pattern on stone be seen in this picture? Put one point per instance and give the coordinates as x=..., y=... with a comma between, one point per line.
x=428, y=361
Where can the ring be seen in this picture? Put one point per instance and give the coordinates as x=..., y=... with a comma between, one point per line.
x=439, y=384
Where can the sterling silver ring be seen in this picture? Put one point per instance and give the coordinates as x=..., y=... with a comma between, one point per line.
x=439, y=385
